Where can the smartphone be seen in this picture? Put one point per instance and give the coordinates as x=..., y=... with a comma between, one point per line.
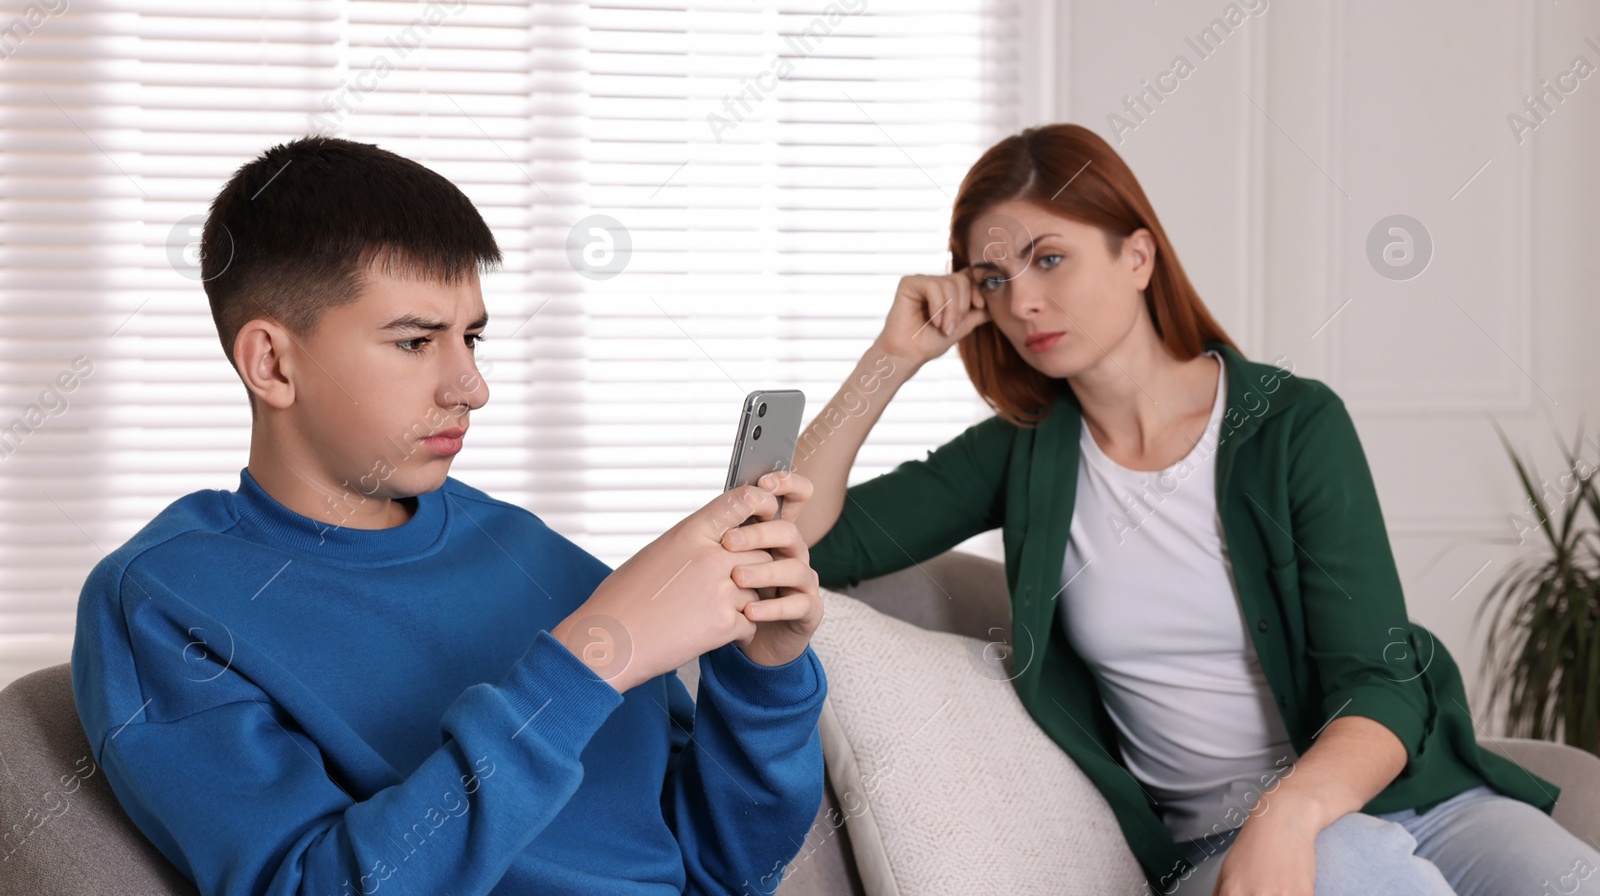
x=769, y=426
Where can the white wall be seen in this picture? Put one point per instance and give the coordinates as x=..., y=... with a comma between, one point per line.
x=1283, y=147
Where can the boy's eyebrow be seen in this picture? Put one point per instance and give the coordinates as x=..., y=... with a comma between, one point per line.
x=413, y=322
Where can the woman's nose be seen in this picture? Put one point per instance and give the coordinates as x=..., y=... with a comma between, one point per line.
x=1026, y=301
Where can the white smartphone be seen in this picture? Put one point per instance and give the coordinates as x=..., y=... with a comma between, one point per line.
x=769, y=426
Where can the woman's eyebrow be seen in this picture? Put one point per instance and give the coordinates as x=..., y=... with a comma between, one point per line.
x=1026, y=251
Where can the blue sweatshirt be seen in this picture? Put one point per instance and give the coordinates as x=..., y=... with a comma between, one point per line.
x=284, y=707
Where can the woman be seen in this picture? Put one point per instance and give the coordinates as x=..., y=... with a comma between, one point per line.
x=1206, y=611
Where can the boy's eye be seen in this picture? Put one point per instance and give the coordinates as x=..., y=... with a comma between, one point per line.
x=407, y=345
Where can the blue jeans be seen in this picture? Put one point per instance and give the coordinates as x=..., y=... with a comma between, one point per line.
x=1477, y=843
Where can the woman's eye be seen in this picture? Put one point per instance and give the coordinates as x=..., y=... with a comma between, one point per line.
x=990, y=284
x=1049, y=261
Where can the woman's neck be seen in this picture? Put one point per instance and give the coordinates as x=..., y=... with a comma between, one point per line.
x=1145, y=408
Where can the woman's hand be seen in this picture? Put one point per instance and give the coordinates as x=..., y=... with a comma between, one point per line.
x=929, y=314
x=1353, y=759
x=1273, y=855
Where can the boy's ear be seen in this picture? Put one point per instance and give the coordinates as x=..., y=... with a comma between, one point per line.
x=262, y=352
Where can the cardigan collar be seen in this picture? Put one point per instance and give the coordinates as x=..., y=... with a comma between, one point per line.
x=1256, y=392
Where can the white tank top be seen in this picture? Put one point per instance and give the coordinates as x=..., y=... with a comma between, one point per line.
x=1148, y=601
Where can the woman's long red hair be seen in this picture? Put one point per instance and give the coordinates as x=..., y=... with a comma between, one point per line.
x=1070, y=171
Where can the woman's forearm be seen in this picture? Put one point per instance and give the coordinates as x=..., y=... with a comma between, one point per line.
x=1353, y=760
x=827, y=447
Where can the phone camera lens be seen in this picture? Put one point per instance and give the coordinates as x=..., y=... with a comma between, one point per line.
x=756, y=434
x=761, y=409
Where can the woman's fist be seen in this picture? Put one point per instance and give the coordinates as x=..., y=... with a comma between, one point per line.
x=930, y=313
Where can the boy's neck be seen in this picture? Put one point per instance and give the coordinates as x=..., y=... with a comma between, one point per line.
x=334, y=503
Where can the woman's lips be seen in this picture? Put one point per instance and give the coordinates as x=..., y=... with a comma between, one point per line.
x=1043, y=341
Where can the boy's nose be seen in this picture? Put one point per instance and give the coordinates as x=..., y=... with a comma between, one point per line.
x=468, y=389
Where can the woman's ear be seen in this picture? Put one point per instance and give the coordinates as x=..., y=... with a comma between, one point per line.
x=260, y=354
x=1139, y=250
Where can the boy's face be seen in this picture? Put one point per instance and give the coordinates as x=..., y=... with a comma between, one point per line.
x=374, y=384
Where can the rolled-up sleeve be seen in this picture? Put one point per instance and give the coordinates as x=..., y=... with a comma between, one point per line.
x=1359, y=638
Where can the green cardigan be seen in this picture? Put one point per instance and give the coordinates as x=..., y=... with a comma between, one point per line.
x=1312, y=566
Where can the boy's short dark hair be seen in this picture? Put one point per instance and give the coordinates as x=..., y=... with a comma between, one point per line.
x=294, y=231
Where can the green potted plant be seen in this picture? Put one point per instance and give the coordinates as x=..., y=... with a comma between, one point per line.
x=1542, y=650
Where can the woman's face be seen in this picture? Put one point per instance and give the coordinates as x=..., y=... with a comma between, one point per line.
x=1041, y=274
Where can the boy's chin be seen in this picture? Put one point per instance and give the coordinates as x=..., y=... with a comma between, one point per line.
x=417, y=482
x=423, y=484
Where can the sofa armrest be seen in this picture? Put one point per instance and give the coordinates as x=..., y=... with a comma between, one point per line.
x=1575, y=771
x=65, y=831
x=956, y=592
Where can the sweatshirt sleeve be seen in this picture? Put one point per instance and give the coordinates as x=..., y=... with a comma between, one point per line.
x=239, y=796
x=746, y=775
x=919, y=509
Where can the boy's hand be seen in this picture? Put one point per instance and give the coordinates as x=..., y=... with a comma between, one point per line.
x=676, y=598
x=785, y=622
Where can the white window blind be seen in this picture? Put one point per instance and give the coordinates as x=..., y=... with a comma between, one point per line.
x=775, y=169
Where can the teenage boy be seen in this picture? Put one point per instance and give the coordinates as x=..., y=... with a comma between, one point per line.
x=356, y=672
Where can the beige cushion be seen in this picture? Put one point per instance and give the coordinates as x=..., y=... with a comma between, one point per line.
x=946, y=782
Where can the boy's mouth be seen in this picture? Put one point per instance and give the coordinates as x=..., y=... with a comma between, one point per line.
x=446, y=442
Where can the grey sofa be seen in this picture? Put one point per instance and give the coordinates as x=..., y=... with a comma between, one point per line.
x=62, y=831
